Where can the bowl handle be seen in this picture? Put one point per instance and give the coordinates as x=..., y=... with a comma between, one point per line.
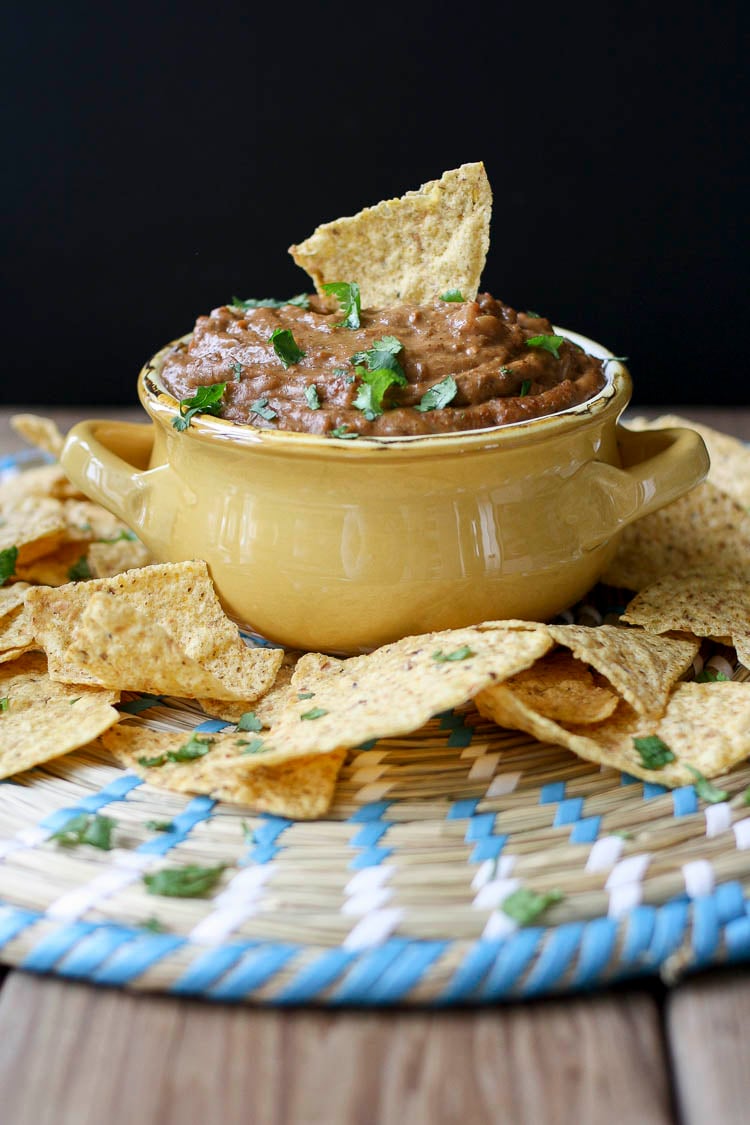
x=109, y=462
x=658, y=466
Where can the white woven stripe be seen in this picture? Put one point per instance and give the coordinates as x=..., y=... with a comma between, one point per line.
x=369, y=879
x=368, y=774
x=699, y=878
x=367, y=901
x=721, y=664
x=624, y=884
x=741, y=831
x=499, y=925
x=484, y=767
x=239, y=900
x=30, y=837
x=604, y=854
x=624, y=898
x=76, y=902
x=718, y=819
x=502, y=784
x=375, y=792
x=373, y=929
x=499, y=868
x=491, y=895
x=366, y=758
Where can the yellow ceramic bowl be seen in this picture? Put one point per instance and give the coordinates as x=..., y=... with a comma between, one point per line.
x=338, y=545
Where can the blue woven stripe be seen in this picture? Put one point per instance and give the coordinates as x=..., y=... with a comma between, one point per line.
x=640, y=930
x=552, y=792
x=488, y=848
x=684, y=800
x=369, y=834
x=737, y=938
x=449, y=720
x=730, y=901
x=461, y=737
x=374, y=811
x=597, y=944
x=472, y=970
x=117, y=790
x=568, y=811
x=706, y=929
x=13, y=921
x=212, y=726
x=132, y=959
x=199, y=809
x=207, y=967
x=586, y=831
x=264, y=854
x=370, y=857
x=480, y=826
x=257, y=967
x=358, y=983
x=460, y=810
x=316, y=976
x=52, y=947
x=269, y=831
x=512, y=960
x=406, y=971
x=628, y=779
x=93, y=949
x=651, y=789
x=671, y=920
x=554, y=958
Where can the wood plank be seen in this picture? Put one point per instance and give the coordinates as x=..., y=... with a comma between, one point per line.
x=73, y=1055
x=707, y=1022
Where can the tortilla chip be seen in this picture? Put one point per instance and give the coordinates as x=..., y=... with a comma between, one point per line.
x=408, y=249
x=42, y=481
x=180, y=598
x=38, y=431
x=89, y=522
x=271, y=782
x=706, y=726
x=45, y=719
x=54, y=569
x=16, y=630
x=269, y=706
x=397, y=688
x=11, y=598
x=730, y=458
x=14, y=653
x=713, y=605
x=562, y=688
x=642, y=668
x=108, y=559
x=36, y=527
x=121, y=648
x=703, y=530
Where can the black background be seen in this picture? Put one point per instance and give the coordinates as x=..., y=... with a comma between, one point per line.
x=160, y=158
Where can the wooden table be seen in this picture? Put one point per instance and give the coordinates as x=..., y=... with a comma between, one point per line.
x=71, y=1054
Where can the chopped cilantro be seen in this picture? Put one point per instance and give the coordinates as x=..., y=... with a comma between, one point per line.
x=382, y=355
x=247, y=832
x=711, y=676
x=8, y=560
x=536, y=315
x=190, y=881
x=369, y=397
x=705, y=789
x=348, y=296
x=653, y=751
x=237, y=369
x=4, y=703
x=124, y=534
x=253, y=746
x=462, y=653
x=263, y=410
x=302, y=301
x=525, y=906
x=439, y=395
x=250, y=721
x=160, y=825
x=452, y=295
x=343, y=433
x=86, y=828
x=316, y=713
x=206, y=400
x=313, y=399
x=746, y=796
x=342, y=372
x=80, y=571
x=305, y=694
x=195, y=747
x=153, y=925
x=549, y=343
x=285, y=346
x=525, y=387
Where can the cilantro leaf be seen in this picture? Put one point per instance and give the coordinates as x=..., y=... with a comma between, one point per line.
x=153, y=925
x=190, y=881
x=159, y=825
x=549, y=343
x=348, y=296
x=8, y=560
x=369, y=397
x=4, y=703
x=313, y=399
x=285, y=346
x=462, y=653
x=302, y=301
x=525, y=388
x=124, y=534
x=237, y=369
x=86, y=828
x=653, y=751
x=525, y=906
x=343, y=433
x=305, y=694
x=206, y=400
x=536, y=315
x=705, y=789
x=250, y=721
x=452, y=295
x=263, y=410
x=711, y=676
x=316, y=713
x=253, y=746
x=382, y=355
x=80, y=571
x=195, y=747
x=439, y=395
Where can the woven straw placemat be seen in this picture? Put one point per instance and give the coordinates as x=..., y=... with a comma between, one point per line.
x=392, y=898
